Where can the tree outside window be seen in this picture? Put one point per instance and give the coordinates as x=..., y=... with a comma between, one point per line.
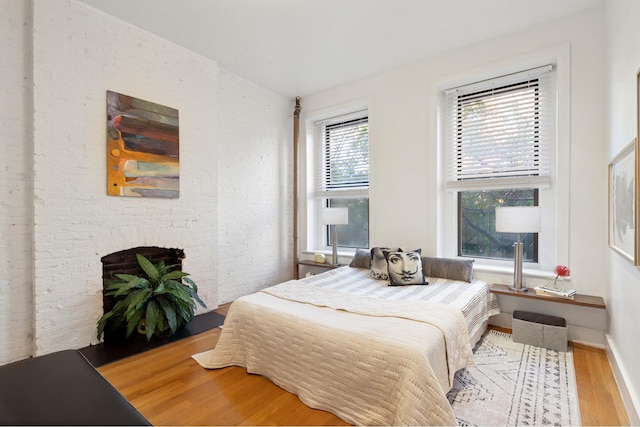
x=477, y=224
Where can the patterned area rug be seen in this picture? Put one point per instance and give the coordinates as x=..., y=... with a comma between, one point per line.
x=515, y=384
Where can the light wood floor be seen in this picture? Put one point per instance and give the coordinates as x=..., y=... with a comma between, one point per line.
x=169, y=388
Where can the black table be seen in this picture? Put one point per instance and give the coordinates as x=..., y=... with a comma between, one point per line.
x=61, y=388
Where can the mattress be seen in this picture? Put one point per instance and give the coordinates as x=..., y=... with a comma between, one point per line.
x=345, y=343
x=473, y=298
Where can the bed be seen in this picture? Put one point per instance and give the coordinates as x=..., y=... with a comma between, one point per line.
x=352, y=345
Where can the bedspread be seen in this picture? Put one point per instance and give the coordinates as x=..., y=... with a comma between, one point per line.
x=367, y=361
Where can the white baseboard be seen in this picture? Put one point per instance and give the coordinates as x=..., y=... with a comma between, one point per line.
x=627, y=391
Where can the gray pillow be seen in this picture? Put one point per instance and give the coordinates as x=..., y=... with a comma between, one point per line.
x=448, y=268
x=361, y=259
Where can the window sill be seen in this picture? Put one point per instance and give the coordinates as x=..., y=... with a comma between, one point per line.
x=344, y=256
x=341, y=252
x=487, y=272
x=498, y=274
x=504, y=270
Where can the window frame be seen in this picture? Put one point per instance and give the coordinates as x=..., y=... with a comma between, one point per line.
x=514, y=111
x=317, y=234
x=555, y=201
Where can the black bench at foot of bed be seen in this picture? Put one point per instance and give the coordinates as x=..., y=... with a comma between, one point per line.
x=61, y=388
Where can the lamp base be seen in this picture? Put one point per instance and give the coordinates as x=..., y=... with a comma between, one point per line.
x=514, y=289
x=334, y=255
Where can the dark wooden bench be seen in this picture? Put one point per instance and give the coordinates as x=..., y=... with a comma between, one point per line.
x=61, y=388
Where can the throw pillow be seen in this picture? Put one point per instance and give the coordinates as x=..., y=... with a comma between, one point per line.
x=452, y=269
x=361, y=259
x=405, y=268
x=379, y=269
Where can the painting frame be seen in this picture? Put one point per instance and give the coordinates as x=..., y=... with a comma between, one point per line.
x=623, y=203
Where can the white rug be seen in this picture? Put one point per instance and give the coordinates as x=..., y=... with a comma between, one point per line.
x=515, y=384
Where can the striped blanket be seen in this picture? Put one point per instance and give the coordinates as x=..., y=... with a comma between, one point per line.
x=472, y=299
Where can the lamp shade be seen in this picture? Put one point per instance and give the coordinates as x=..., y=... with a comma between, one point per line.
x=335, y=216
x=518, y=219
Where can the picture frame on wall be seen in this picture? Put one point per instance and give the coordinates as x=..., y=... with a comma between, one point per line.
x=623, y=203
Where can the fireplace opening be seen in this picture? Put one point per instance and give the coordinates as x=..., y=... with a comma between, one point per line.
x=125, y=262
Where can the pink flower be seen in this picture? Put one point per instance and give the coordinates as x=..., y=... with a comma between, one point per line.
x=561, y=271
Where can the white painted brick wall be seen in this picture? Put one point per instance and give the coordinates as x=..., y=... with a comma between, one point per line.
x=78, y=54
x=255, y=187
x=16, y=260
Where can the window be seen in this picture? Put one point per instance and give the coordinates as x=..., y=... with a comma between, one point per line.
x=476, y=222
x=342, y=178
x=499, y=134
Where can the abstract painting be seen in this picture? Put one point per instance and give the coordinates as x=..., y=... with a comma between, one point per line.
x=142, y=148
x=623, y=203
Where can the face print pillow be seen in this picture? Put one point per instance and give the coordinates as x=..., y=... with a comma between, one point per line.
x=405, y=268
x=379, y=269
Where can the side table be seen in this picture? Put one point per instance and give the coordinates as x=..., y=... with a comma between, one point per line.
x=586, y=315
x=311, y=263
x=578, y=299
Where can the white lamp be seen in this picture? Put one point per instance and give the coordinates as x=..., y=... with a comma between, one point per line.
x=518, y=219
x=333, y=217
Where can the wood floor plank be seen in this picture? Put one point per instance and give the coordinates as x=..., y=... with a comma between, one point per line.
x=600, y=400
x=169, y=388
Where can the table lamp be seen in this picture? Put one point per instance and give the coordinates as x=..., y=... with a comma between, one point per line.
x=333, y=217
x=518, y=219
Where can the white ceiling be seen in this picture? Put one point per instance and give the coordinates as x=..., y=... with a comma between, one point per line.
x=300, y=47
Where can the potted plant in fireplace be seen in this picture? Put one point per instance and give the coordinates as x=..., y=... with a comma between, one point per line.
x=158, y=303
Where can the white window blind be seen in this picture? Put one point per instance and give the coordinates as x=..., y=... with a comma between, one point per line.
x=343, y=155
x=500, y=132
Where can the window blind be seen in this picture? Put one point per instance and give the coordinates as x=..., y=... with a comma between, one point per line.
x=500, y=132
x=343, y=155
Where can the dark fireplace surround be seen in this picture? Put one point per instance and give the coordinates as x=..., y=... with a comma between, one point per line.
x=125, y=262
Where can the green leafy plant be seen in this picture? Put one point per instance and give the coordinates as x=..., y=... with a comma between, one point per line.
x=164, y=300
